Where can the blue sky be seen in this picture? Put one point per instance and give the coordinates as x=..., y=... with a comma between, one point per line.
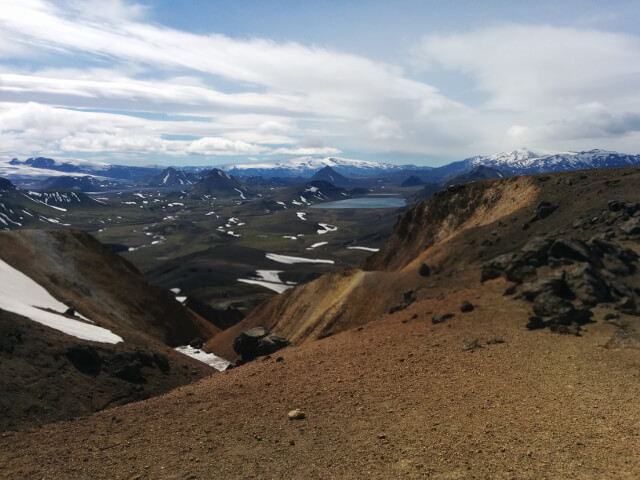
x=212, y=82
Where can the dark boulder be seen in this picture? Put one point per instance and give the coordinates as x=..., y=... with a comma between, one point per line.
x=126, y=366
x=85, y=358
x=162, y=362
x=555, y=283
x=544, y=209
x=424, y=270
x=573, y=249
x=587, y=284
x=631, y=226
x=536, y=251
x=521, y=274
x=441, y=318
x=256, y=342
x=466, y=307
x=494, y=268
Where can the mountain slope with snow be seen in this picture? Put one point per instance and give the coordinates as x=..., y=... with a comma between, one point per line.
x=521, y=162
x=307, y=166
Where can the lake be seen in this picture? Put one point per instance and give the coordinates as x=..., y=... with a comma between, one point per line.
x=364, y=202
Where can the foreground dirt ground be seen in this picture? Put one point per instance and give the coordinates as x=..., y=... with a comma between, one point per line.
x=397, y=398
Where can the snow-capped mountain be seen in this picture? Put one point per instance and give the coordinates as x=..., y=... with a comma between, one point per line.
x=307, y=166
x=16, y=169
x=523, y=161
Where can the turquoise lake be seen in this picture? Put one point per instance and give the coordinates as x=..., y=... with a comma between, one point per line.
x=364, y=202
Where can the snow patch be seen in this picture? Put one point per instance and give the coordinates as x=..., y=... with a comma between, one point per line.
x=367, y=249
x=210, y=359
x=286, y=259
x=22, y=295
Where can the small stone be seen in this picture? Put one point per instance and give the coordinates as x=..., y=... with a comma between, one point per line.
x=466, y=307
x=297, y=414
x=382, y=436
x=471, y=346
x=292, y=442
x=441, y=318
x=495, y=341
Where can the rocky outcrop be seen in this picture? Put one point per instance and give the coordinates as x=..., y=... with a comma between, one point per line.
x=563, y=277
x=256, y=342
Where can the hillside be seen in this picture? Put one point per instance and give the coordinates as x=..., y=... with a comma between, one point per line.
x=219, y=184
x=81, y=330
x=441, y=358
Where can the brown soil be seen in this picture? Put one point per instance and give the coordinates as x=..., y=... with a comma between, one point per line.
x=393, y=400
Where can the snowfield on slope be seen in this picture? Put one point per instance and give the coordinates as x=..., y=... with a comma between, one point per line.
x=269, y=279
x=21, y=295
x=291, y=260
x=210, y=359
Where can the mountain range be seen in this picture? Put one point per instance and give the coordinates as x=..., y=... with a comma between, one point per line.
x=36, y=171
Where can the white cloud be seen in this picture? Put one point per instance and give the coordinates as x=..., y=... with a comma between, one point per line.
x=221, y=146
x=306, y=151
x=383, y=128
x=548, y=85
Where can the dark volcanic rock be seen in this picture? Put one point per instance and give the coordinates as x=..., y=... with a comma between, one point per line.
x=494, y=268
x=258, y=341
x=162, y=362
x=572, y=249
x=536, y=251
x=126, y=366
x=631, y=226
x=545, y=209
x=466, y=307
x=587, y=284
x=521, y=274
x=424, y=270
x=85, y=358
x=441, y=318
x=555, y=283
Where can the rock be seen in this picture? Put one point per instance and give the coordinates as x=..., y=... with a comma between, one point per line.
x=196, y=343
x=494, y=268
x=612, y=316
x=554, y=283
x=547, y=305
x=544, y=209
x=466, y=307
x=623, y=339
x=495, y=340
x=424, y=270
x=162, y=362
x=628, y=305
x=441, y=318
x=126, y=366
x=257, y=341
x=407, y=300
x=71, y=312
x=631, y=226
x=536, y=251
x=510, y=290
x=296, y=414
x=587, y=284
x=573, y=249
x=85, y=358
x=536, y=323
x=521, y=274
x=615, y=206
x=471, y=346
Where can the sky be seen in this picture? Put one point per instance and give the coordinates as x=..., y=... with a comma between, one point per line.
x=209, y=82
